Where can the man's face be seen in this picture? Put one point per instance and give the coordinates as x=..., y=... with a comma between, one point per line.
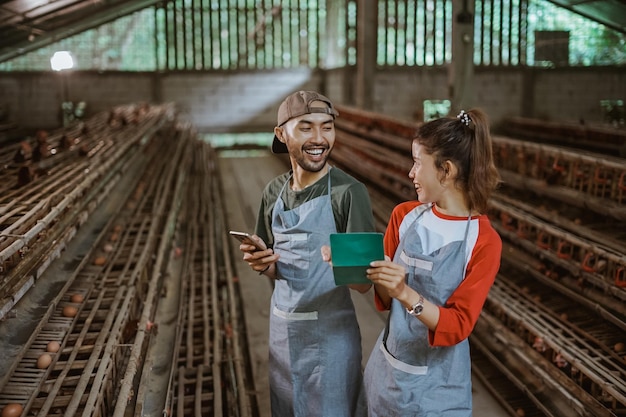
x=309, y=138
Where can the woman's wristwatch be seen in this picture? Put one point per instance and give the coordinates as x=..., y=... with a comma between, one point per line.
x=417, y=308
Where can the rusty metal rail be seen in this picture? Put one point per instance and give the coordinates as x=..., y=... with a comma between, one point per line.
x=208, y=370
x=512, y=391
x=588, y=262
x=594, y=181
x=609, y=140
x=103, y=317
x=87, y=376
x=37, y=220
x=574, y=350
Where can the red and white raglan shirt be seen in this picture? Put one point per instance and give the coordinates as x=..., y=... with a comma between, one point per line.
x=482, y=253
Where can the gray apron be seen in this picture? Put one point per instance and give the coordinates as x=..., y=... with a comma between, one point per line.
x=315, y=342
x=404, y=373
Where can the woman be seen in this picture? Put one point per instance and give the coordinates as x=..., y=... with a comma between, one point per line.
x=445, y=258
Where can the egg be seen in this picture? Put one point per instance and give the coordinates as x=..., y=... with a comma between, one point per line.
x=77, y=298
x=44, y=361
x=619, y=347
x=69, y=311
x=12, y=410
x=53, y=346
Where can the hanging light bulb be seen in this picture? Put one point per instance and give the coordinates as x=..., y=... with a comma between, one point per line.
x=61, y=60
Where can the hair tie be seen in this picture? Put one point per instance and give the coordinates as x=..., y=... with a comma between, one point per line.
x=464, y=118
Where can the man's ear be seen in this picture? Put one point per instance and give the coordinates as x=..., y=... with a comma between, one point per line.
x=278, y=131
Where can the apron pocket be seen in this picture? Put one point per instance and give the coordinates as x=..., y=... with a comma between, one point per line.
x=309, y=315
x=293, y=249
x=401, y=366
x=303, y=335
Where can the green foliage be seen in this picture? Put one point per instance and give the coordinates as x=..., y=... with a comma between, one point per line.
x=590, y=43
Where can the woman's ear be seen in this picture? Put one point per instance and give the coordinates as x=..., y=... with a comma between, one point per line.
x=449, y=170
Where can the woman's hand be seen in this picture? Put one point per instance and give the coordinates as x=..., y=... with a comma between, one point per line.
x=388, y=275
x=390, y=281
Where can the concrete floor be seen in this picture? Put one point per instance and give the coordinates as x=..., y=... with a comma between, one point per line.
x=242, y=189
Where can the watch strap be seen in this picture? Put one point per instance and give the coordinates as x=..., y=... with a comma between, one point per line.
x=417, y=308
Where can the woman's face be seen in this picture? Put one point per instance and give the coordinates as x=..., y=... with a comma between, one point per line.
x=425, y=176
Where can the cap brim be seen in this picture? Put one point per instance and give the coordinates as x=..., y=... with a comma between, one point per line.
x=278, y=146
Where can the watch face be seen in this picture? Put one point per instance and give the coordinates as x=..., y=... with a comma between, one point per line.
x=416, y=310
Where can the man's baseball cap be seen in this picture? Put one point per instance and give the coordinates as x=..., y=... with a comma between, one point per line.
x=297, y=104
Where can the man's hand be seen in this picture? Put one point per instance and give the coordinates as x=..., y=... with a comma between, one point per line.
x=327, y=257
x=259, y=260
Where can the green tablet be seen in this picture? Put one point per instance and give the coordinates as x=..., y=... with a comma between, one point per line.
x=352, y=254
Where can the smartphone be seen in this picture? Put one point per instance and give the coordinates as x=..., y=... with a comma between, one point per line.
x=244, y=237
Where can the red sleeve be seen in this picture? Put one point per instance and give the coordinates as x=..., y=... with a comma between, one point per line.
x=460, y=313
x=392, y=237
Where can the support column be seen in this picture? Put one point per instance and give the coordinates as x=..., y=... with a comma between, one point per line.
x=333, y=54
x=461, y=69
x=367, y=28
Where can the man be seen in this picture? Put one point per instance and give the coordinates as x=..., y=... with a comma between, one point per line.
x=315, y=341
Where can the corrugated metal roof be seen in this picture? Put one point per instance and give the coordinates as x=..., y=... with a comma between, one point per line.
x=26, y=25
x=611, y=13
